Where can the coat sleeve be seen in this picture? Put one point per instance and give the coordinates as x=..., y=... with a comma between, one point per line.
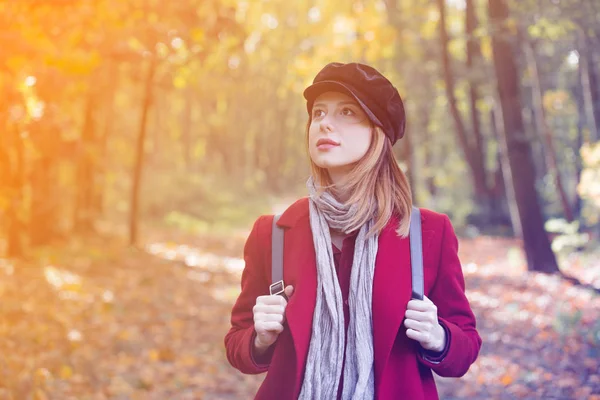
x=255, y=282
x=454, y=311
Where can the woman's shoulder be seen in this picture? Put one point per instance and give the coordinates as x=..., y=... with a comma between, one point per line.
x=295, y=211
x=299, y=205
x=288, y=215
x=433, y=220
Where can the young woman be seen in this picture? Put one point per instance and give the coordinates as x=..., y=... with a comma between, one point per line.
x=347, y=327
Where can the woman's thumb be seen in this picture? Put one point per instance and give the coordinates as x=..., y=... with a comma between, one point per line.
x=288, y=291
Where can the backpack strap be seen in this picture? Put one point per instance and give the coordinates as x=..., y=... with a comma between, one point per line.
x=416, y=254
x=277, y=285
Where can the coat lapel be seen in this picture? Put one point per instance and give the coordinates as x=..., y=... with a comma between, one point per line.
x=391, y=293
x=392, y=290
x=301, y=272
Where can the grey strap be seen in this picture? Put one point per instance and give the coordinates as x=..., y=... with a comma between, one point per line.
x=277, y=285
x=416, y=254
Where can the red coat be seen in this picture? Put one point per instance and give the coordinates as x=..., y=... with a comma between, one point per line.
x=400, y=371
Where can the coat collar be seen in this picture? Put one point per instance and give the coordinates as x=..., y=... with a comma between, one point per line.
x=294, y=213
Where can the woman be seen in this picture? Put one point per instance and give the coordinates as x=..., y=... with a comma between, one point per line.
x=346, y=327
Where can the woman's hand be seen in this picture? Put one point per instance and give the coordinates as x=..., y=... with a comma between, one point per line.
x=423, y=326
x=269, y=317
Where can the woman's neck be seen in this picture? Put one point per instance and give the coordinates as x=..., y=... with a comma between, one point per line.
x=337, y=176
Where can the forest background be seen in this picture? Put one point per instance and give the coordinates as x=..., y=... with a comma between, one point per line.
x=140, y=139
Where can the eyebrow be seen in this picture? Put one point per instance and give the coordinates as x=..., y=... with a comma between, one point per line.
x=341, y=103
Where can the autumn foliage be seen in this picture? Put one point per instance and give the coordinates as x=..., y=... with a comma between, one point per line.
x=139, y=139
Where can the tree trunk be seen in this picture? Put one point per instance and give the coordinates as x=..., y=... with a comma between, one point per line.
x=535, y=239
x=503, y=176
x=139, y=157
x=84, y=196
x=544, y=130
x=406, y=155
x=45, y=196
x=186, y=129
x=473, y=62
x=427, y=165
x=581, y=123
x=112, y=79
x=42, y=223
x=594, y=87
x=11, y=183
x=471, y=152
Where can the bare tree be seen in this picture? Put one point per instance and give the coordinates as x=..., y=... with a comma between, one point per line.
x=139, y=155
x=535, y=239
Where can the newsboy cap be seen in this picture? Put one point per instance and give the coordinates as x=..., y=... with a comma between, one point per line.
x=375, y=94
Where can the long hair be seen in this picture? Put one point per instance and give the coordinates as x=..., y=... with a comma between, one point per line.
x=377, y=185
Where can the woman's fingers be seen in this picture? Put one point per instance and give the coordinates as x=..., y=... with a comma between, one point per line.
x=421, y=305
x=269, y=326
x=268, y=309
x=268, y=317
x=418, y=325
x=271, y=300
x=420, y=316
x=422, y=337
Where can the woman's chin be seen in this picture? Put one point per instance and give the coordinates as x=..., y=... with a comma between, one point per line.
x=328, y=163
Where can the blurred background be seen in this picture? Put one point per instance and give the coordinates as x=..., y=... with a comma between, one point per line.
x=140, y=139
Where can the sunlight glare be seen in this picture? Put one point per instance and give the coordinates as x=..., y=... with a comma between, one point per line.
x=74, y=335
x=458, y=4
x=8, y=267
x=269, y=21
x=30, y=81
x=37, y=110
x=195, y=258
x=234, y=62
x=177, y=43
x=314, y=15
x=573, y=58
x=59, y=278
x=251, y=42
x=108, y=296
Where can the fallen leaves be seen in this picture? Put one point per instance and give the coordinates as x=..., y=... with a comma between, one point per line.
x=126, y=324
x=506, y=380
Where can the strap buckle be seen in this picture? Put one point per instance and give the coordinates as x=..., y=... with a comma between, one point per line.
x=276, y=288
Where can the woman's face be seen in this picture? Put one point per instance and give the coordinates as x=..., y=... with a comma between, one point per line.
x=339, y=134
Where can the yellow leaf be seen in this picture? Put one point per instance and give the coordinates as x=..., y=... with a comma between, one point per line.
x=506, y=380
x=39, y=394
x=42, y=376
x=66, y=372
x=197, y=35
x=16, y=63
x=124, y=335
x=179, y=82
x=187, y=361
x=153, y=355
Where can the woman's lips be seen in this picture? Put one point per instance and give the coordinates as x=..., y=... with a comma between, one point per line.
x=326, y=144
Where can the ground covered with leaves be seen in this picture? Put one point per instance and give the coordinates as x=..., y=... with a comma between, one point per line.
x=96, y=320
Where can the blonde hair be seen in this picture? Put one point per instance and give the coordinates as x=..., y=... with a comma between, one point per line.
x=376, y=183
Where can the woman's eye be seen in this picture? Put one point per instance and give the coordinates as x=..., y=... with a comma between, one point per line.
x=348, y=112
x=317, y=113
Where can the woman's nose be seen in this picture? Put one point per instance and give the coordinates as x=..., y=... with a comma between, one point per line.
x=325, y=124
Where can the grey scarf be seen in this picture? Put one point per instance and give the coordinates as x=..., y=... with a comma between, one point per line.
x=326, y=350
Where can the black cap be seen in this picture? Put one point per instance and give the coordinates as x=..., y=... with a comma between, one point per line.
x=373, y=92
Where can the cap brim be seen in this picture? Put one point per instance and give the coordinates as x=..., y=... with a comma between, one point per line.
x=316, y=89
